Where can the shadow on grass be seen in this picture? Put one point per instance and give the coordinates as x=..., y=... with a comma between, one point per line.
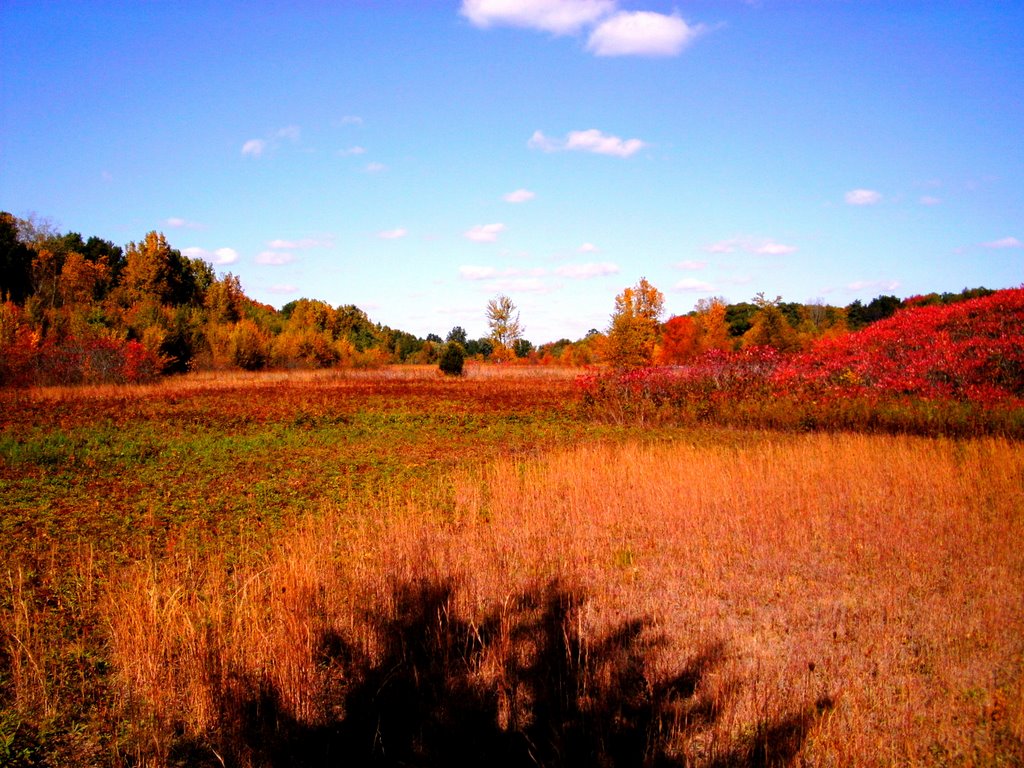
x=522, y=688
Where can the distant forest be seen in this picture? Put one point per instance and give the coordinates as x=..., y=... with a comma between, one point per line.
x=78, y=310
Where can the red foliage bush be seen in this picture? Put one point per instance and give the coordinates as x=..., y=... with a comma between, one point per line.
x=76, y=361
x=927, y=368
x=971, y=351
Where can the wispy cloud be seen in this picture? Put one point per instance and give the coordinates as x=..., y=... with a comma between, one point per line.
x=862, y=197
x=257, y=147
x=692, y=285
x=690, y=264
x=217, y=257
x=771, y=248
x=275, y=258
x=519, y=196
x=1004, y=242
x=393, y=234
x=375, y=167
x=587, y=270
x=930, y=200
x=591, y=140
x=642, y=33
x=755, y=245
x=560, y=17
x=484, y=233
x=254, y=147
x=350, y=120
x=588, y=248
x=285, y=289
x=352, y=151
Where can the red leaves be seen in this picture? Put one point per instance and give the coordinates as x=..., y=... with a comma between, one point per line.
x=971, y=352
x=77, y=361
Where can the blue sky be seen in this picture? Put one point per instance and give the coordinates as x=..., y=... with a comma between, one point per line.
x=418, y=158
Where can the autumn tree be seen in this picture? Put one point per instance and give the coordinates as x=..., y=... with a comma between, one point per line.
x=712, y=328
x=155, y=271
x=506, y=330
x=224, y=299
x=635, y=326
x=770, y=328
x=679, y=341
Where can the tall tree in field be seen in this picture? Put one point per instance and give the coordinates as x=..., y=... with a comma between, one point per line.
x=503, y=319
x=635, y=326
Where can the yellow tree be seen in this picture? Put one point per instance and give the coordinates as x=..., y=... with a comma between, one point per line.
x=635, y=326
x=770, y=327
x=712, y=329
x=503, y=319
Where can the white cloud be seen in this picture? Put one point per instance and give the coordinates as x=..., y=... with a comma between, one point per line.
x=642, y=33
x=862, y=197
x=590, y=269
x=393, y=234
x=254, y=147
x=771, y=248
x=930, y=200
x=375, y=167
x=560, y=17
x=290, y=132
x=351, y=120
x=691, y=264
x=542, y=142
x=484, y=233
x=356, y=150
x=275, y=258
x=591, y=140
x=519, y=196
x=225, y=256
x=755, y=245
x=594, y=141
x=1004, y=242
x=218, y=257
x=691, y=285
x=722, y=246
x=588, y=248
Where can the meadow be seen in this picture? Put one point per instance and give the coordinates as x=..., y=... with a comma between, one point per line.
x=398, y=568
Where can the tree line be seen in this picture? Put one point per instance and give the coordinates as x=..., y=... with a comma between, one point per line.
x=74, y=309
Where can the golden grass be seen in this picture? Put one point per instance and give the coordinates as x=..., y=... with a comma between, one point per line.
x=856, y=599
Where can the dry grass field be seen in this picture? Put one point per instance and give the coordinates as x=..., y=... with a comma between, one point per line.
x=468, y=573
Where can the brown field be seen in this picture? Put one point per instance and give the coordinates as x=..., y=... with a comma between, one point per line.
x=466, y=572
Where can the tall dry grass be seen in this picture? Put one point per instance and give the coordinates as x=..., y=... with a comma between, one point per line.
x=838, y=600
